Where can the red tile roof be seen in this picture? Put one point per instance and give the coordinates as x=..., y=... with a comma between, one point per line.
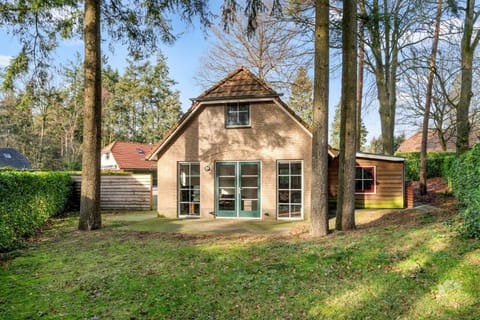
x=130, y=155
x=413, y=143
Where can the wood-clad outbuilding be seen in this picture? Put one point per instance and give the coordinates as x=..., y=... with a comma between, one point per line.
x=241, y=152
x=379, y=181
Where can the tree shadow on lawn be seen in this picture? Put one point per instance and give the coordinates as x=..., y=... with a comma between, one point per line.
x=348, y=277
x=420, y=271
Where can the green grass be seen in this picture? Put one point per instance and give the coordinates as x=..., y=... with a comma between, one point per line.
x=399, y=266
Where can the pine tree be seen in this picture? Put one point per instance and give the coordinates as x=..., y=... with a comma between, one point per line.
x=335, y=131
x=301, y=99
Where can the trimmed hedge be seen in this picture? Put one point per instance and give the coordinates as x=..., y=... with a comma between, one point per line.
x=466, y=188
x=27, y=200
x=439, y=164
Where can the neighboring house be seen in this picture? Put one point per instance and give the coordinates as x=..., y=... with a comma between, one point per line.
x=10, y=157
x=127, y=156
x=414, y=143
x=241, y=152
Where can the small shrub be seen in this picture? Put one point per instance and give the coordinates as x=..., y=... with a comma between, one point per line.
x=465, y=184
x=27, y=200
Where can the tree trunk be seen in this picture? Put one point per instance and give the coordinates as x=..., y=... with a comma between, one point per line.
x=383, y=39
x=428, y=102
x=346, y=193
x=319, y=186
x=361, y=63
x=468, y=48
x=90, y=216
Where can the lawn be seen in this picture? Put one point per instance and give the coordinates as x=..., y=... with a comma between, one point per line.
x=399, y=265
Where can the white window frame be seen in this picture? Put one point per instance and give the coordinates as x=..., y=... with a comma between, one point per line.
x=374, y=180
x=278, y=190
x=180, y=189
x=237, y=105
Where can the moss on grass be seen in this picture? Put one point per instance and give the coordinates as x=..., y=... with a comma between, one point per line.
x=408, y=271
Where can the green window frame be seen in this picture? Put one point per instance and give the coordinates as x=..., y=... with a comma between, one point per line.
x=290, y=189
x=189, y=189
x=237, y=115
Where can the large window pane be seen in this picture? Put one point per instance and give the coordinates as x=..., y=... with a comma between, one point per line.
x=195, y=169
x=185, y=196
x=249, y=182
x=189, y=189
x=296, y=197
x=249, y=193
x=227, y=205
x=296, y=182
x=284, y=196
x=296, y=168
x=195, y=182
x=283, y=168
x=227, y=182
x=227, y=170
x=284, y=182
x=249, y=169
x=289, y=192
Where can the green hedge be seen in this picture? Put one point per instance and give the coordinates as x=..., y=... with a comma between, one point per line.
x=27, y=200
x=466, y=188
x=439, y=164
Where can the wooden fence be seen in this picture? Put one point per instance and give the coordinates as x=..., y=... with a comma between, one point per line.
x=121, y=192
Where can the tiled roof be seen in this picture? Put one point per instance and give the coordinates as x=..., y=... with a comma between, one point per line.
x=413, y=143
x=239, y=83
x=130, y=155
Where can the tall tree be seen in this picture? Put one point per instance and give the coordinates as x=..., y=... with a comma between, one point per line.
x=361, y=62
x=345, y=219
x=335, y=130
x=319, y=198
x=90, y=218
x=389, y=25
x=141, y=105
x=139, y=24
x=301, y=96
x=273, y=52
x=428, y=100
x=470, y=39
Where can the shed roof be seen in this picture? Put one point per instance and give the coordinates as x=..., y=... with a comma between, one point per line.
x=10, y=157
x=130, y=155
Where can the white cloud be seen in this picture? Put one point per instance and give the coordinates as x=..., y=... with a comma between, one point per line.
x=5, y=60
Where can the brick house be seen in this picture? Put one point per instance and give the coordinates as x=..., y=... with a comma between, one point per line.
x=241, y=152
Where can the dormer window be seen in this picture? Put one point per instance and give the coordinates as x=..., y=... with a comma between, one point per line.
x=237, y=115
x=7, y=155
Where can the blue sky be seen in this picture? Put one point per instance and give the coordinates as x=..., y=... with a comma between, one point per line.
x=183, y=59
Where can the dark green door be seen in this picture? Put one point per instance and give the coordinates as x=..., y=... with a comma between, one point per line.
x=237, y=189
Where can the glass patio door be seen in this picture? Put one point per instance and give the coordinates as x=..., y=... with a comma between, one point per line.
x=237, y=189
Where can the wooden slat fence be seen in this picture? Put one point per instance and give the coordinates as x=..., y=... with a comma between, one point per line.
x=121, y=192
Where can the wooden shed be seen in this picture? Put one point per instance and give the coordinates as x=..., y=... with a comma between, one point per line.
x=379, y=181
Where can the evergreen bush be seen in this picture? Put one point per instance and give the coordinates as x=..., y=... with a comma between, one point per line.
x=466, y=188
x=27, y=200
x=438, y=164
